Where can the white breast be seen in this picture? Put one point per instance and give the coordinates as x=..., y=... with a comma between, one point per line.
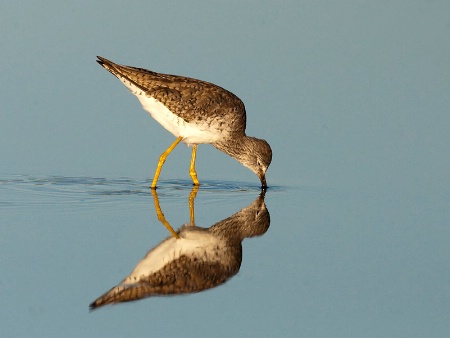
x=195, y=244
x=191, y=133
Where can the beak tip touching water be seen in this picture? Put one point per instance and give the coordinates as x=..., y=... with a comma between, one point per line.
x=263, y=181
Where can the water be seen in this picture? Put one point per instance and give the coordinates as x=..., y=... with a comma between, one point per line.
x=332, y=262
x=353, y=98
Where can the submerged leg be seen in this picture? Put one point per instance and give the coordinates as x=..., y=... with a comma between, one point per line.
x=161, y=216
x=162, y=159
x=192, y=196
x=192, y=171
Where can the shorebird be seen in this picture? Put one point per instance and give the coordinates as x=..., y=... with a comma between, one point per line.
x=195, y=112
x=193, y=259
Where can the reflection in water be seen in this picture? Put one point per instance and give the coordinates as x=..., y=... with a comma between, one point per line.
x=193, y=258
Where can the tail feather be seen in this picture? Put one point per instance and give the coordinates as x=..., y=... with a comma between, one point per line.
x=122, y=293
x=131, y=77
x=108, y=65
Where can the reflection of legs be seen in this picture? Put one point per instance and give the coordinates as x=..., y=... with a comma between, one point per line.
x=160, y=215
x=192, y=196
x=192, y=171
x=162, y=159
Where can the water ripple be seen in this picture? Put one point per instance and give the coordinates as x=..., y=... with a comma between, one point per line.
x=20, y=190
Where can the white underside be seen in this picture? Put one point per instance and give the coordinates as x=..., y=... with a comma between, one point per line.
x=191, y=243
x=192, y=134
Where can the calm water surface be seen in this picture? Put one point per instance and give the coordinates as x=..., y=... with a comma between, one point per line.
x=333, y=263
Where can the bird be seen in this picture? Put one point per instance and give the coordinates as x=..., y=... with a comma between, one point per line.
x=195, y=112
x=195, y=260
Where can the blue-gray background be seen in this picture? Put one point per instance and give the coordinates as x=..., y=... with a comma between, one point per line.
x=354, y=98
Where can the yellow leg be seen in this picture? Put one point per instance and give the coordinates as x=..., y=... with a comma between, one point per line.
x=161, y=216
x=192, y=196
x=192, y=171
x=162, y=159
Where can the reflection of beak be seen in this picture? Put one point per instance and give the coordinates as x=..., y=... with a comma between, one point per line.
x=262, y=177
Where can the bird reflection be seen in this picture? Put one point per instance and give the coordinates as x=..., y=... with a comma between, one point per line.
x=193, y=258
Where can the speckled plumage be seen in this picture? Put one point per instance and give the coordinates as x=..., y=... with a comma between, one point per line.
x=193, y=100
x=196, y=111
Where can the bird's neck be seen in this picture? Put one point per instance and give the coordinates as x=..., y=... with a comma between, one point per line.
x=250, y=221
x=236, y=147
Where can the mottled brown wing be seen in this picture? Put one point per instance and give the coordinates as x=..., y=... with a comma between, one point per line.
x=191, y=99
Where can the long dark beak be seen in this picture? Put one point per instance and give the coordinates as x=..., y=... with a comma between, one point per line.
x=262, y=177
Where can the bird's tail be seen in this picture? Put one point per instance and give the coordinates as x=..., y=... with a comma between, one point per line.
x=122, y=293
